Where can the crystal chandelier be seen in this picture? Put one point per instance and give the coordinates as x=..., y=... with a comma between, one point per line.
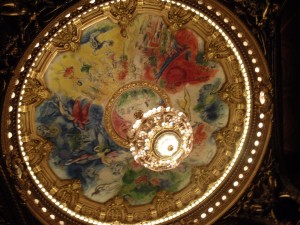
x=161, y=138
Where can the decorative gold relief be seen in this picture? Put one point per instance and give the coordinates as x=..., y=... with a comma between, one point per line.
x=145, y=215
x=37, y=150
x=202, y=177
x=164, y=202
x=203, y=26
x=263, y=98
x=67, y=38
x=18, y=171
x=152, y=4
x=42, y=176
x=222, y=161
x=262, y=195
x=34, y=92
x=178, y=17
x=233, y=93
x=116, y=211
x=228, y=137
x=69, y=194
x=123, y=12
x=89, y=212
x=239, y=116
x=217, y=48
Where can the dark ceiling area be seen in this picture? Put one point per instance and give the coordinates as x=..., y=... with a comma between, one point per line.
x=290, y=56
x=274, y=195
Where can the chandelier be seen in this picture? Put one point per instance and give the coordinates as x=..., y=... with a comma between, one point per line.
x=161, y=138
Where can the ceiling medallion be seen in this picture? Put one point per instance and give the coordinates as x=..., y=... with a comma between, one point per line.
x=72, y=102
x=124, y=103
x=161, y=138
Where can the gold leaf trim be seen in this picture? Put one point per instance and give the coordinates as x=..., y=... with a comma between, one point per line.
x=67, y=38
x=123, y=12
x=37, y=150
x=178, y=17
x=216, y=48
x=69, y=194
x=34, y=92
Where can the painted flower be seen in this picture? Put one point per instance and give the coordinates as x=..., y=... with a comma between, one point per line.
x=199, y=134
x=80, y=113
x=141, y=179
x=155, y=181
x=135, y=165
x=69, y=72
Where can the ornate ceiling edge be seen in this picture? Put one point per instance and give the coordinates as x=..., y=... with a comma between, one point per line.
x=266, y=199
x=275, y=191
x=10, y=199
x=260, y=17
x=24, y=173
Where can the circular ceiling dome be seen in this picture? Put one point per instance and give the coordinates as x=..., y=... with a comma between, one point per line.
x=79, y=86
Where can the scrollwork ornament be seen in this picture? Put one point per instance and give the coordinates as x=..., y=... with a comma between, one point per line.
x=69, y=194
x=228, y=138
x=34, y=92
x=9, y=51
x=90, y=212
x=178, y=17
x=216, y=48
x=145, y=215
x=259, y=15
x=202, y=177
x=261, y=197
x=240, y=116
x=116, y=211
x=123, y=12
x=222, y=161
x=152, y=3
x=164, y=203
x=37, y=150
x=67, y=38
x=260, y=12
x=25, y=19
x=17, y=169
x=263, y=97
x=233, y=93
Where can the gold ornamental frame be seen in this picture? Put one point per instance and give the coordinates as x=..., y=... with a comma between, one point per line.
x=213, y=188
x=110, y=105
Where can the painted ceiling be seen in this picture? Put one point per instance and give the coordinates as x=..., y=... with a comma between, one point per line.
x=98, y=65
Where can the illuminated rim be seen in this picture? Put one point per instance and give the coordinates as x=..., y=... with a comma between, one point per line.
x=161, y=139
x=254, y=70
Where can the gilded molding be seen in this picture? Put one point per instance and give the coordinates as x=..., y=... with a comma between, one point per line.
x=178, y=17
x=37, y=150
x=123, y=12
x=34, y=92
x=68, y=194
x=216, y=48
x=67, y=38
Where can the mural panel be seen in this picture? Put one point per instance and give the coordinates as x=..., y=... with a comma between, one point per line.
x=173, y=71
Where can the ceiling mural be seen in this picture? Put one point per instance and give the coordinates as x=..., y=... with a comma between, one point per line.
x=97, y=67
x=116, y=76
